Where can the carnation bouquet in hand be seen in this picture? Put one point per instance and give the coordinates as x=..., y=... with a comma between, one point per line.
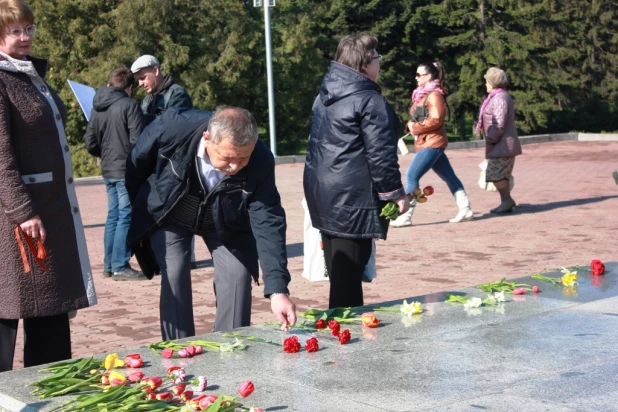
x=391, y=209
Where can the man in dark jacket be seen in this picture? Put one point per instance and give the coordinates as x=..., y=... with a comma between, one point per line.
x=163, y=92
x=194, y=172
x=114, y=126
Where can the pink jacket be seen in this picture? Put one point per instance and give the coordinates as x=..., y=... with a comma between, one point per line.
x=499, y=127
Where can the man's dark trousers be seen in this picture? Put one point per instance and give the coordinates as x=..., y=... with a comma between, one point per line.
x=172, y=247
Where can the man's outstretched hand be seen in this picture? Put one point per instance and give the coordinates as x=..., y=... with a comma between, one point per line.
x=284, y=310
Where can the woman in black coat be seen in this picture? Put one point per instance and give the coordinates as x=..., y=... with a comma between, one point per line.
x=351, y=167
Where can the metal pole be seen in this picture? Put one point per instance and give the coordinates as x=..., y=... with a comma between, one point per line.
x=269, y=73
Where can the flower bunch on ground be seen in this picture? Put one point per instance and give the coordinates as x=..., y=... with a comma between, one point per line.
x=105, y=386
x=503, y=286
x=471, y=303
x=169, y=348
x=569, y=278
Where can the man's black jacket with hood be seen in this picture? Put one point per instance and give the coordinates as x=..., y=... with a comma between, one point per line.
x=115, y=123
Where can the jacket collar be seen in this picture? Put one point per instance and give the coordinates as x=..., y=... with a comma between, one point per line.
x=33, y=67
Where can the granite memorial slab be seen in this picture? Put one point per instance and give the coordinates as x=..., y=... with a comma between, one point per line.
x=552, y=351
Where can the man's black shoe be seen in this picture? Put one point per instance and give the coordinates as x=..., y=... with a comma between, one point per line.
x=107, y=274
x=129, y=274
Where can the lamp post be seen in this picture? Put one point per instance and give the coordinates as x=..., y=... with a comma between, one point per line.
x=269, y=72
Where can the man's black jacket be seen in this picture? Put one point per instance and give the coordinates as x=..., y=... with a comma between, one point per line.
x=168, y=95
x=246, y=207
x=115, y=123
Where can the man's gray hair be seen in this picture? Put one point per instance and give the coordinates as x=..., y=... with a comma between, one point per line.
x=234, y=124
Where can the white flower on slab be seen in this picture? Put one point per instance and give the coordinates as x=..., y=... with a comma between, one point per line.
x=473, y=303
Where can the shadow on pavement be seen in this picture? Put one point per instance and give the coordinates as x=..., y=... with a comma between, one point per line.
x=524, y=208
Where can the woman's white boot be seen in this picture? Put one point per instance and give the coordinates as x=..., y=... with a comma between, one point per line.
x=463, y=203
x=404, y=219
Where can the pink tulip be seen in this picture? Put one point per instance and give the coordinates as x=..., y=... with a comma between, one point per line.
x=207, y=400
x=191, y=350
x=132, y=356
x=134, y=363
x=519, y=291
x=135, y=376
x=167, y=353
x=246, y=389
x=199, y=350
x=536, y=289
x=183, y=353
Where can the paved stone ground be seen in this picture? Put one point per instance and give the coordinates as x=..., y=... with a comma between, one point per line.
x=566, y=215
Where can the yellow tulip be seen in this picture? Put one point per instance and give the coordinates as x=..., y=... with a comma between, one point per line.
x=112, y=361
x=116, y=378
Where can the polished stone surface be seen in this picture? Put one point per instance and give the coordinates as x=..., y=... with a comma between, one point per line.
x=552, y=351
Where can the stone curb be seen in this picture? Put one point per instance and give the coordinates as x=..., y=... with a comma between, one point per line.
x=474, y=144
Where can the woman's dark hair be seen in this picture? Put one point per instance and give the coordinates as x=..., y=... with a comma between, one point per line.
x=436, y=71
x=356, y=50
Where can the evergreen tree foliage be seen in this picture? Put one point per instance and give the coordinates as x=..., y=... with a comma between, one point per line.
x=561, y=56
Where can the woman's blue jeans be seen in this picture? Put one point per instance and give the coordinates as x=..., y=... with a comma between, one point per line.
x=436, y=160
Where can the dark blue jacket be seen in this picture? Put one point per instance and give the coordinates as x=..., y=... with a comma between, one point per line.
x=351, y=168
x=115, y=124
x=246, y=207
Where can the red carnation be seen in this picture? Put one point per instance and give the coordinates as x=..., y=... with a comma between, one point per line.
x=311, y=345
x=291, y=345
x=334, y=327
x=344, y=337
x=597, y=267
x=320, y=324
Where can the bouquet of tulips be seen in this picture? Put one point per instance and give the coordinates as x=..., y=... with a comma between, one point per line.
x=391, y=209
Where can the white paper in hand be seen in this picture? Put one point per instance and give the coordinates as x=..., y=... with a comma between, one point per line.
x=401, y=145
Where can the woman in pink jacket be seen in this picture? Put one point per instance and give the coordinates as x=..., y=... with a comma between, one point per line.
x=497, y=120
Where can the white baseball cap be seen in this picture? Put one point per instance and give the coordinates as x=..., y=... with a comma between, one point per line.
x=143, y=62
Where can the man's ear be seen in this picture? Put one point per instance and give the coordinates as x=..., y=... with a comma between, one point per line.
x=156, y=70
x=206, y=135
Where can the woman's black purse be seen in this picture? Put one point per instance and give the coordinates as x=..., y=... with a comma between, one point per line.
x=421, y=112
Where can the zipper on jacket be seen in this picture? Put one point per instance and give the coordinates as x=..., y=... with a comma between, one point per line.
x=171, y=164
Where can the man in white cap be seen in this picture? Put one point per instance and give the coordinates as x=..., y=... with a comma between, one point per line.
x=163, y=92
